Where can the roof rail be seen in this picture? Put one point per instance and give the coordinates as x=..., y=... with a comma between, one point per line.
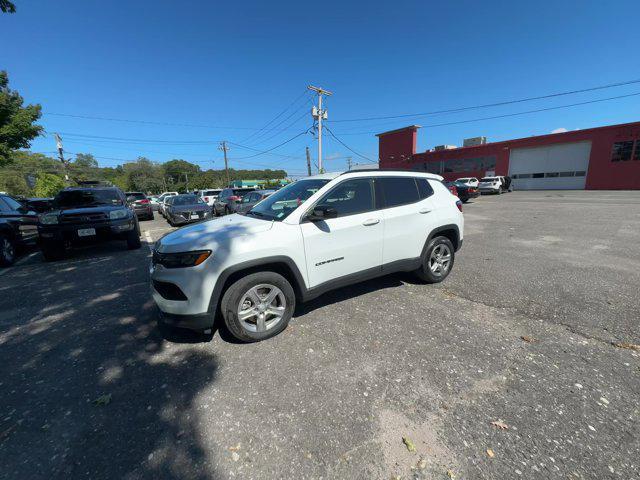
x=377, y=170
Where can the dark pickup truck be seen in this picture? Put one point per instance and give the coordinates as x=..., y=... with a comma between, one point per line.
x=83, y=215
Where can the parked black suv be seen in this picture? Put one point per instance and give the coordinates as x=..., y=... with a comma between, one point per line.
x=84, y=215
x=18, y=228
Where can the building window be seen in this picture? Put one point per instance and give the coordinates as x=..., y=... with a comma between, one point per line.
x=551, y=174
x=537, y=175
x=566, y=174
x=622, y=151
x=636, y=155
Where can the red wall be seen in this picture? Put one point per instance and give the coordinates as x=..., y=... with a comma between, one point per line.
x=398, y=146
x=602, y=174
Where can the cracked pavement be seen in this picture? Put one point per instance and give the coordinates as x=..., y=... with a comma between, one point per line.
x=522, y=332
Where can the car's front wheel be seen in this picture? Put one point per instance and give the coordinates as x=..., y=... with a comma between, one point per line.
x=52, y=251
x=133, y=239
x=437, y=261
x=7, y=251
x=258, y=306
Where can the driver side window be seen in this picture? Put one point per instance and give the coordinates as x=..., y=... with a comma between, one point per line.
x=350, y=197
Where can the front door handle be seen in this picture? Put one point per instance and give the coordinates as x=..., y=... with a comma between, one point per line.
x=424, y=210
x=371, y=221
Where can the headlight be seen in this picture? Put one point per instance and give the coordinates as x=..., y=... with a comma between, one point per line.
x=49, y=219
x=180, y=260
x=118, y=214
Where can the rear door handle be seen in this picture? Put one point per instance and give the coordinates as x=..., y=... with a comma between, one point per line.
x=424, y=210
x=371, y=221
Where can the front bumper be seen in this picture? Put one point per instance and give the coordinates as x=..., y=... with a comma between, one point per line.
x=183, y=218
x=199, y=323
x=68, y=232
x=184, y=295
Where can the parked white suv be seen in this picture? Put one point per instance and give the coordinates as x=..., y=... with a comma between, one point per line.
x=210, y=196
x=469, y=181
x=312, y=236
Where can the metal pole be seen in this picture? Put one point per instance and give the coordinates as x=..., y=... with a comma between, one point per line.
x=224, y=149
x=61, y=157
x=320, y=132
x=308, y=162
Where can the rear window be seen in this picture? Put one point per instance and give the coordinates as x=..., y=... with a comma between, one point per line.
x=210, y=192
x=399, y=190
x=241, y=192
x=136, y=195
x=489, y=179
x=87, y=198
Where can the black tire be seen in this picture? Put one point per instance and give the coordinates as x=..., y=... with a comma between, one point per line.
x=425, y=272
x=133, y=239
x=226, y=210
x=52, y=251
x=151, y=217
x=7, y=251
x=235, y=294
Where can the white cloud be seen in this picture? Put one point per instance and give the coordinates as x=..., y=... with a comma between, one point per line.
x=559, y=130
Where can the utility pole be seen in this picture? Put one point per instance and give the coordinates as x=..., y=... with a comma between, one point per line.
x=308, y=162
x=186, y=178
x=319, y=114
x=224, y=148
x=61, y=157
x=349, y=164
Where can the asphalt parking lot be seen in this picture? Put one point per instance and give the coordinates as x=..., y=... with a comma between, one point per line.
x=522, y=334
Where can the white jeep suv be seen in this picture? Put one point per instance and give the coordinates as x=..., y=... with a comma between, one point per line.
x=312, y=236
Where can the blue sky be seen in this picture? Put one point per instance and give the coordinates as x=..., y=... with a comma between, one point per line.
x=237, y=65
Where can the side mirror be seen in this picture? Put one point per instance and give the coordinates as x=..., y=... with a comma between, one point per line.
x=321, y=213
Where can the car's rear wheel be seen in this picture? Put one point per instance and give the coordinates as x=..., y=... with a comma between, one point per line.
x=227, y=211
x=437, y=261
x=7, y=251
x=258, y=306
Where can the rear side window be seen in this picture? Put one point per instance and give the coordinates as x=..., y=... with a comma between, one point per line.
x=424, y=188
x=399, y=191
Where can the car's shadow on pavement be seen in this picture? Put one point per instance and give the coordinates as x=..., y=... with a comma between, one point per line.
x=89, y=387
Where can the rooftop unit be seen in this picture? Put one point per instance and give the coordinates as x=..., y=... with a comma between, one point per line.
x=474, y=142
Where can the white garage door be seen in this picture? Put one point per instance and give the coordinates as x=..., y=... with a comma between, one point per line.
x=562, y=166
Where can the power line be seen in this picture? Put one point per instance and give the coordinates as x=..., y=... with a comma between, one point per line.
x=510, y=114
x=276, y=117
x=146, y=122
x=488, y=105
x=347, y=146
x=273, y=148
x=278, y=131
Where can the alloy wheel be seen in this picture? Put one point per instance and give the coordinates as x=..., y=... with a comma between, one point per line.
x=261, y=308
x=440, y=260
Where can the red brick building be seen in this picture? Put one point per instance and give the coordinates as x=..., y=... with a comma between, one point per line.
x=603, y=158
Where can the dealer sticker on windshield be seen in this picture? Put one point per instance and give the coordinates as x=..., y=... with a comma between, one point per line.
x=86, y=232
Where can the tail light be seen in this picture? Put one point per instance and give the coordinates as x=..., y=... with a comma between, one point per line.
x=206, y=199
x=459, y=205
x=234, y=198
x=143, y=202
x=453, y=190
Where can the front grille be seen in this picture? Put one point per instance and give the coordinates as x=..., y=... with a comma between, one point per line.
x=169, y=291
x=187, y=215
x=84, y=217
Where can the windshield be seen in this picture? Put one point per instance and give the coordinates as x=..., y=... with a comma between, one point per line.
x=85, y=198
x=185, y=200
x=280, y=204
x=489, y=179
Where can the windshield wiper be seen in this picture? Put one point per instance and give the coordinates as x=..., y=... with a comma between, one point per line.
x=257, y=214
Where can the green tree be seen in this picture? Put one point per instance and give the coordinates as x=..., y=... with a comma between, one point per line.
x=48, y=185
x=85, y=160
x=7, y=7
x=17, y=123
x=143, y=175
x=180, y=173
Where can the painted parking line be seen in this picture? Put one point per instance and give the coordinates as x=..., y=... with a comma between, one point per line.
x=149, y=240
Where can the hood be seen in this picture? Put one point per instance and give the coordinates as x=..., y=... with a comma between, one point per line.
x=87, y=210
x=206, y=235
